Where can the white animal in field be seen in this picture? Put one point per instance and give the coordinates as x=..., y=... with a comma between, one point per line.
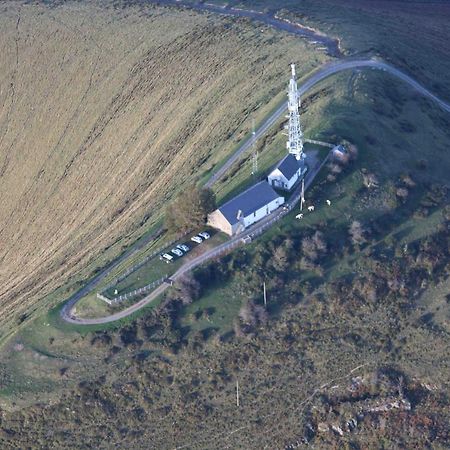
x=310, y=208
x=328, y=203
x=299, y=216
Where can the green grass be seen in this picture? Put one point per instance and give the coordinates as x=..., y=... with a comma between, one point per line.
x=244, y=135
x=216, y=309
x=296, y=354
x=152, y=271
x=156, y=268
x=91, y=306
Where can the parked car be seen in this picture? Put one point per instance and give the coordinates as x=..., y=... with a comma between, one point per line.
x=166, y=257
x=183, y=247
x=197, y=239
x=204, y=235
x=177, y=251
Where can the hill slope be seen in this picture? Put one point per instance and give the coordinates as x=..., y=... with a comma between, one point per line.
x=105, y=113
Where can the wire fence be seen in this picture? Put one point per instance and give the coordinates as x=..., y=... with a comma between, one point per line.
x=245, y=238
x=132, y=294
x=138, y=265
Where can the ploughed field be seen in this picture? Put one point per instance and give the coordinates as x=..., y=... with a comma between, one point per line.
x=105, y=114
x=352, y=347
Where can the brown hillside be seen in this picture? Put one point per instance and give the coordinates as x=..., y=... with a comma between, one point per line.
x=104, y=114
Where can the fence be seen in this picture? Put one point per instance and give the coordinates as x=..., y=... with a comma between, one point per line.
x=137, y=266
x=224, y=248
x=323, y=144
x=132, y=294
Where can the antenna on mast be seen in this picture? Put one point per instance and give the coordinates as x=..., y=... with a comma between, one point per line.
x=254, y=151
x=295, y=141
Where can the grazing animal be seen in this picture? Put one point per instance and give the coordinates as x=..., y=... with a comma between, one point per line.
x=310, y=208
x=299, y=216
x=328, y=203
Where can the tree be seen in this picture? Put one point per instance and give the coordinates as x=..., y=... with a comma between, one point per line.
x=357, y=232
x=190, y=209
x=314, y=246
x=253, y=315
x=280, y=259
x=188, y=289
x=369, y=179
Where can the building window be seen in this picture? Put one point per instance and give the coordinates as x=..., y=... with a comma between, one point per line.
x=254, y=214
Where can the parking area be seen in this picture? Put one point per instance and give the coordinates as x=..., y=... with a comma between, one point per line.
x=167, y=261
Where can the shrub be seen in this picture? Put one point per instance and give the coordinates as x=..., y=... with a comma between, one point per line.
x=190, y=209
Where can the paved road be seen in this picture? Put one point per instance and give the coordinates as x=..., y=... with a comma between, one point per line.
x=314, y=78
x=317, y=76
x=221, y=249
x=350, y=64
x=91, y=285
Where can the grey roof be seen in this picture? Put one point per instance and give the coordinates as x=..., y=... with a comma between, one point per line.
x=340, y=147
x=288, y=166
x=248, y=201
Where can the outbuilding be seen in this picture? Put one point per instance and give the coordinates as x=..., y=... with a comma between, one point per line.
x=340, y=153
x=245, y=209
x=287, y=172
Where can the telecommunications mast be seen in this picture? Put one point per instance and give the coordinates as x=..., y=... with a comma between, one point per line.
x=295, y=142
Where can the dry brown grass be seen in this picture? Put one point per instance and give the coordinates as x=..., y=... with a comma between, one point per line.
x=104, y=114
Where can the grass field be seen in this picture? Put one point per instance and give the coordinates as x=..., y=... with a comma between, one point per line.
x=169, y=379
x=88, y=169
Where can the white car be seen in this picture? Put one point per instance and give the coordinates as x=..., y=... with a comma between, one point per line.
x=168, y=258
x=177, y=251
x=197, y=239
x=204, y=235
x=183, y=247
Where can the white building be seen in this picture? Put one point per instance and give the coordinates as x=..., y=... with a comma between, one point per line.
x=287, y=172
x=291, y=168
x=247, y=208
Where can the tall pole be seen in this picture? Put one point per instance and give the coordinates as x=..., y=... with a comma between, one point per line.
x=237, y=393
x=265, y=296
x=254, y=151
x=302, y=198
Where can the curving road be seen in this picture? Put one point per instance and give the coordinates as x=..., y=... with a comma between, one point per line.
x=314, y=78
x=227, y=246
x=320, y=74
x=317, y=76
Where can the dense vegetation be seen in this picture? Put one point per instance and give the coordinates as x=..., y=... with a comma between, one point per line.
x=190, y=209
x=107, y=112
x=352, y=348
x=171, y=379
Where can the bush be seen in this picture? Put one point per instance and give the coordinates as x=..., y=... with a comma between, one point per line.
x=190, y=209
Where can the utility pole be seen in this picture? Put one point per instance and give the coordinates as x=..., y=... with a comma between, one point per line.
x=254, y=151
x=237, y=393
x=265, y=296
x=302, y=198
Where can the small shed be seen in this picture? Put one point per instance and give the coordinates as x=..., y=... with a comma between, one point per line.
x=245, y=209
x=287, y=173
x=340, y=153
